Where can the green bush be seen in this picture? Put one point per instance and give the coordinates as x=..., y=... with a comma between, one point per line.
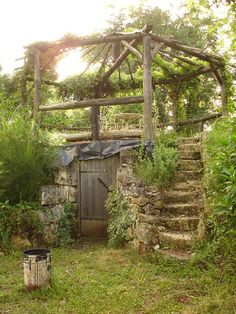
x=26, y=160
x=120, y=219
x=158, y=169
x=220, y=183
x=67, y=226
x=22, y=220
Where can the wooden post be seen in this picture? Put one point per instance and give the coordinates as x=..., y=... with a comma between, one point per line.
x=174, y=113
x=222, y=90
x=23, y=90
x=116, y=50
x=175, y=105
x=95, y=112
x=37, y=85
x=223, y=99
x=147, y=87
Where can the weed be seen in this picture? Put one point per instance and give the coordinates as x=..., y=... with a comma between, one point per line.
x=159, y=168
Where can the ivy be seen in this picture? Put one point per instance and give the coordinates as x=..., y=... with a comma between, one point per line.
x=67, y=226
x=121, y=219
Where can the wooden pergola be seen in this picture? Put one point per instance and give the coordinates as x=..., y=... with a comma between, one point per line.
x=152, y=44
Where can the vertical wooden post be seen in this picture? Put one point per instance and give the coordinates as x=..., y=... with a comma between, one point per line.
x=223, y=99
x=174, y=113
x=175, y=105
x=116, y=50
x=23, y=90
x=147, y=87
x=37, y=85
x=223, y=94
x=95, y=112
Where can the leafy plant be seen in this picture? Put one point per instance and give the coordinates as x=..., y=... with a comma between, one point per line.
x=220, y=182
x=120, y=220
x=22, y=220
x=26, y=160
x=67, y=226
x=159, y=168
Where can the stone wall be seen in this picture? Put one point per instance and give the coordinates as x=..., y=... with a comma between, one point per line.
x=145, y=202
x=54, y=197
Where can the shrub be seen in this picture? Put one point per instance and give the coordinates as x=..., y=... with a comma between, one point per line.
x=67, y=226
x=22, y=220
x=220, y=183
x=120, y=219
x=26, y=159
x=159, y=168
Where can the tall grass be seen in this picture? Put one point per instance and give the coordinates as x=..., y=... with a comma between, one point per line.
x=26, y=160
x=159, y=168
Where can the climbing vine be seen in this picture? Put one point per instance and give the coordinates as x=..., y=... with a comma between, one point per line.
x=121, y=219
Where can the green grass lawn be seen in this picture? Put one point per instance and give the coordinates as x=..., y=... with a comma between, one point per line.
x=92, y=278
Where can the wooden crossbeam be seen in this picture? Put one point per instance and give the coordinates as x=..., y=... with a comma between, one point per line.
x=93, y=103
x=187, y=49
x=133, y=50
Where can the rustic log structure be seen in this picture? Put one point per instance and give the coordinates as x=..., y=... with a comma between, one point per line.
x=132, y=43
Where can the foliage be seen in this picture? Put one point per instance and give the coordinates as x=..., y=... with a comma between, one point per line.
x=159, y=168
x=22, y=220
x=220, y=181
x=120, y=219
x=67, y=226
x=26, y=160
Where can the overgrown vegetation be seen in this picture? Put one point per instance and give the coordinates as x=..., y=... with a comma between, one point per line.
x=159, y=168
x=67, y=226
x=220, y=183
x=20, y=220
x=120, y=219
x=26, y=160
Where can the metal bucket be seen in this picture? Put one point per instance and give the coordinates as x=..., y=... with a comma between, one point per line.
x=37, y=268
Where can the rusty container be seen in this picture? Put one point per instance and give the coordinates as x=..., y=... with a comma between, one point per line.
x=37, y=268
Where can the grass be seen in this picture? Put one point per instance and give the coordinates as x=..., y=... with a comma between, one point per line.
x=90, y=278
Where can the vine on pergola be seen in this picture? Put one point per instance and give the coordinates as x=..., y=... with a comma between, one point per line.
x=171, y=64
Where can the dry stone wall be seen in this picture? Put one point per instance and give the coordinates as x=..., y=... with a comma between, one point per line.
x=145, y=202
x=53, y=199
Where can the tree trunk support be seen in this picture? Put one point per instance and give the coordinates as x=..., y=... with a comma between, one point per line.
x=222, y=90
x=95, y=112
x=147, y=87
x=37, y=85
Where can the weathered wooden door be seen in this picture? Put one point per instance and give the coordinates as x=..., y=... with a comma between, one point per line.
x=96, y=176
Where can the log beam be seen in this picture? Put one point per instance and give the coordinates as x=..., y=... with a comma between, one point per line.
x=87, y=136
x=147, y=88
x=93, y=103
x=133, y=50
x=187, y=49
x=191, y=121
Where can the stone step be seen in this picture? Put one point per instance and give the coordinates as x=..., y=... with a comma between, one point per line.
x=181, y=223
x=195, y=147
x=180, y=196
x=190, y=165
x=188, y=175
x=191, y=185
x=187, y=209
x=176, y=254
x=189, y=155
x=187, y=140
x=180, y=240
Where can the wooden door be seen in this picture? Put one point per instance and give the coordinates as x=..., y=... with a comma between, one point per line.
x=96, y=176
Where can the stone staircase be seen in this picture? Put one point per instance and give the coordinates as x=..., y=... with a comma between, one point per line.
x=183, y=203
